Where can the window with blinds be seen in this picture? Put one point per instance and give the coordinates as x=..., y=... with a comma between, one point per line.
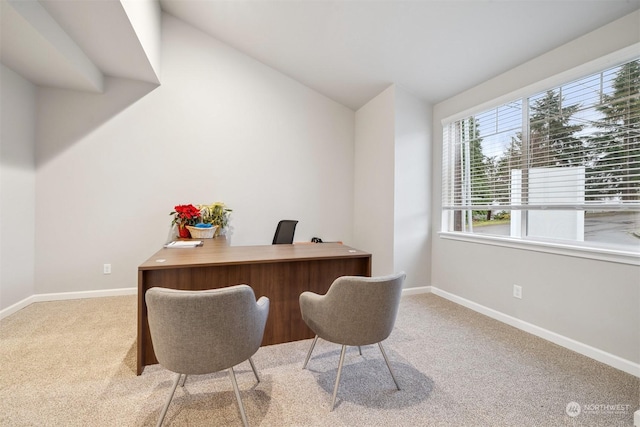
x=563, y=164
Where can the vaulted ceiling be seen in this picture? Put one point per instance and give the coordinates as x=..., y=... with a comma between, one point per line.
x=71, y=44
x=346, y=50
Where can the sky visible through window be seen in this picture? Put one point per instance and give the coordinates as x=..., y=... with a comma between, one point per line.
x=499, y=126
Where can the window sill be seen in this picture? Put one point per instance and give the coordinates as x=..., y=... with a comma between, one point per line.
x=600, y=254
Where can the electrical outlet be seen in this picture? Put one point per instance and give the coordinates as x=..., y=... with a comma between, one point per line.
x=517, y=291
x=106, y=269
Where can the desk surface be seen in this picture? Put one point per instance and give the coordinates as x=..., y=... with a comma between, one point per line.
x=217, y=252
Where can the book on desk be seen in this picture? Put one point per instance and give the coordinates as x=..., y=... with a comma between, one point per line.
x=179, y=244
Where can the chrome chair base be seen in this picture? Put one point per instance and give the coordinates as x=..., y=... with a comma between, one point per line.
x=232, y=376
x=342, y=352
x=168, y=402
x=313, y=344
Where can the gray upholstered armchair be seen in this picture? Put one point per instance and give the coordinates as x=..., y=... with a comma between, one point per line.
x=355, y=311
x=200, y=332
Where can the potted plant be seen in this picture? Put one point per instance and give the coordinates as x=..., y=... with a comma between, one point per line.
x=184, y=215
x=217, y=214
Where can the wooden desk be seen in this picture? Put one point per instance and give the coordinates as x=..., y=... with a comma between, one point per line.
x=279, y=272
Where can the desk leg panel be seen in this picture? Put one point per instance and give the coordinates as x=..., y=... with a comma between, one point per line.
x=321, y=274
x=281, y=282
x=266, y=279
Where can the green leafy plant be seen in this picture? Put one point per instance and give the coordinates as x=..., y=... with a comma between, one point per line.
x=216, y=213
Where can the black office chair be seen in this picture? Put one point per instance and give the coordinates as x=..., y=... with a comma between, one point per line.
x=284, y=232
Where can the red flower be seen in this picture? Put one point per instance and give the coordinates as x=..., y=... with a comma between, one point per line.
x=185, y=214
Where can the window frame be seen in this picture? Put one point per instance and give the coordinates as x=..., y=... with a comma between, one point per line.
x=587, y=250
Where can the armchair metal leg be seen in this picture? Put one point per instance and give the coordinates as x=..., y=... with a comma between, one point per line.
x=313, y=344
x=335, y=388
x=184, y=380
x=388, y=365
x=232, y=375
x=166, y=405
x=360, y=350
x=255, y=372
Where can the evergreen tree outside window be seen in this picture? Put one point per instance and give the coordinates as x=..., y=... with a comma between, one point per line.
x=562, y=165
x=615, y=147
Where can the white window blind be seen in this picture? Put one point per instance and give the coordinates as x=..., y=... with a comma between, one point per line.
x=573, y=147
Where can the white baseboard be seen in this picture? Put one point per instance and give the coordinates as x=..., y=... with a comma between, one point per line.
x=416, y=291
x=584, y=349
x=117, y=292
x=65, y=296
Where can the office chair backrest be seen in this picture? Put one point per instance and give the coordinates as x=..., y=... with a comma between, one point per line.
x=199, y=332
x=355, y=310
x=284, y=232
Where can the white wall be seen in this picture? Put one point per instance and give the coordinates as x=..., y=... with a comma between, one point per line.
x=17, y=188
x=374, y=169
x=412, y=186
x=592, y=302
x=146, y=19
x=392, y=184
x=221, y=127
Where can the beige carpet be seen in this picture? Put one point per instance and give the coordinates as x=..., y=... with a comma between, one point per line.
x=72, y=363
